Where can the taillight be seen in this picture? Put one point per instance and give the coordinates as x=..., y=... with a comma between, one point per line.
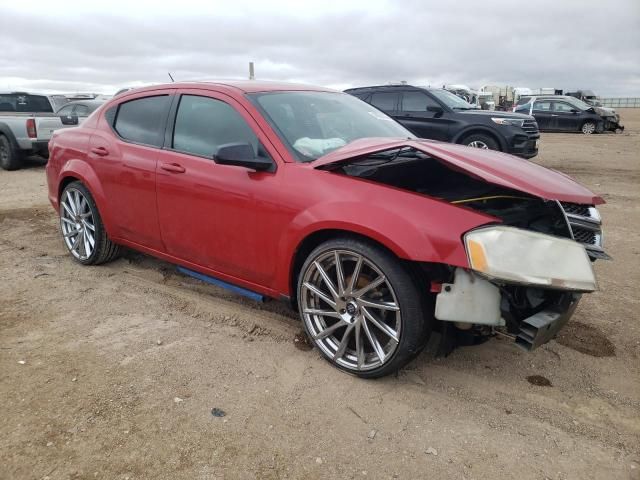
x=31, y=128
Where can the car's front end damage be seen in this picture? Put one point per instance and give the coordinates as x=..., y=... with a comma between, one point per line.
x=527, y=270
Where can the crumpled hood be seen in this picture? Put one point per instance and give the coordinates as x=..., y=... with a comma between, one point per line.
x=493, y=167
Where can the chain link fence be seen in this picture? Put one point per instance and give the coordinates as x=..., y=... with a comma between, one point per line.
x=621, y=102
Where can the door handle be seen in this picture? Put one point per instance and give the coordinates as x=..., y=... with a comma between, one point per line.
x=554, y=115
x=172, y=167
x=101, y=151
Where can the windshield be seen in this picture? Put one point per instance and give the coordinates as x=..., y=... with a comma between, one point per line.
x=313, y=124
x=578, y=103
x=450, y=100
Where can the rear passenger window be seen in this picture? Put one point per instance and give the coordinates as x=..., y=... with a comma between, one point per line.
x=141, y=120
x=385, y=101
x=203, y=124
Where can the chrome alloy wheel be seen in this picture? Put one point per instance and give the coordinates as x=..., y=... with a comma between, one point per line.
x=478, y=144
x=77, y=224
x=588, y=128
x=350, y=310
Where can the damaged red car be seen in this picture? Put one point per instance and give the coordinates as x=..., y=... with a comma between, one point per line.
x=379, y=239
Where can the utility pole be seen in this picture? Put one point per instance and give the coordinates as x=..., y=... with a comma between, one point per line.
x=251, y=72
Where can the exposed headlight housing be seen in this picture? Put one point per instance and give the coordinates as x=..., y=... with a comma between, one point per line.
x=530, y=258
x=514, y=122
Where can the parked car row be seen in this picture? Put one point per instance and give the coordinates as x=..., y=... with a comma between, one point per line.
x=378, y=238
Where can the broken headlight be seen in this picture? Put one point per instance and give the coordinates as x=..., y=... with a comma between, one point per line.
x=524, y=257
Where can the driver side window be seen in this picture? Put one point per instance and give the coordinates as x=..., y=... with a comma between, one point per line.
x=203, y=124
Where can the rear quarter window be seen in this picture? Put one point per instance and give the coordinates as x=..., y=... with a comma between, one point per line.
x=141, y=120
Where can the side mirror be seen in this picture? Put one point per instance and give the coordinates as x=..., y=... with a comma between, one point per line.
x=69, y=119
x=436, y=110
x=241, y=155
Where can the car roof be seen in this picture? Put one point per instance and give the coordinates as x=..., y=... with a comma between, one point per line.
x=390, y=87
x=244, y=86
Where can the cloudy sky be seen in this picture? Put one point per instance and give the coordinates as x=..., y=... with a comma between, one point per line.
x=75, y=45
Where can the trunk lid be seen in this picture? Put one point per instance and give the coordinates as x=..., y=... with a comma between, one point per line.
x=493, y=167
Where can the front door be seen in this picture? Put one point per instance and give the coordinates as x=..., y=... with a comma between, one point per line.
x=420, y=121
x=217, y=216
x=544, y=116
x=567, y=116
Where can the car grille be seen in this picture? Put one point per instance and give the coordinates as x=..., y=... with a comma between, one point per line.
x=585, y=226
x=530, y=126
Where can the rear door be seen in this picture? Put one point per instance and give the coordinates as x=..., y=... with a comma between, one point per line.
x=544, y=116
x=125, y=157
x=415, y=117
x=220, y=217
x=567, y=116
x=387, y=101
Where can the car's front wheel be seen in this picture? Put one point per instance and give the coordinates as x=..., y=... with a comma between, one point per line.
x=479, y=140
x=362, y=308
x=588, y=128
x=82, y=229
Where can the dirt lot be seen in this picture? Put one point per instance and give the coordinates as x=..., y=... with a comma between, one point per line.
x=111, y=372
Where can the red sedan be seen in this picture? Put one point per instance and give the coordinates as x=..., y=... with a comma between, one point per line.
x=379, y=239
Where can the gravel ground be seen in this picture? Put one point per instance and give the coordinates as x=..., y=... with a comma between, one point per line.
x=112, y=372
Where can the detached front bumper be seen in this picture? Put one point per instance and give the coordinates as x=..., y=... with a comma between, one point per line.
x=544, y=325
x=532, y=316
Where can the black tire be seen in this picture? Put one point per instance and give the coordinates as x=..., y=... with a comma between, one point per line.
x=10, y=157
x=477, y=139
x=588, y=128
x=104, y=249
x=415, y=317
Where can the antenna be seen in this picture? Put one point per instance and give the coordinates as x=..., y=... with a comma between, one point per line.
x=169, y=73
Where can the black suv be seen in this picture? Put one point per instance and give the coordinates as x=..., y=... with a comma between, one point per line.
x=440, y=115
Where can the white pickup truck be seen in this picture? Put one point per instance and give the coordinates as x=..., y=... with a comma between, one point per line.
x=27, y=121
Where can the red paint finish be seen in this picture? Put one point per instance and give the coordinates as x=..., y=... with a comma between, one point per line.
x=244, y=226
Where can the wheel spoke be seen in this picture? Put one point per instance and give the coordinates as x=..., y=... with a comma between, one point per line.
x=319, y=293
x=76, y=197
x=89, y=225
x=87, y=246
x=381, y=325
x=343, y=343
x=380, y=305
x=72, y=233
x=66, y=220
x=359, y=346
x=354, y=276
x=322, y=313
x=76, y=244
x=92, y=240
x=71, y=204
x=374, y=341
x=377, y=282
x=327, y=280
x=339, y=273
x=329, y=330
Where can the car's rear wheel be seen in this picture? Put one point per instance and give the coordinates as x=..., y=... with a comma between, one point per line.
x=9, y=154
x=362, y=308
x=82, y=229
x=588, y=128
x=478, y=140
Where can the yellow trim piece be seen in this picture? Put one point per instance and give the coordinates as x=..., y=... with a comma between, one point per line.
x=468, y=200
